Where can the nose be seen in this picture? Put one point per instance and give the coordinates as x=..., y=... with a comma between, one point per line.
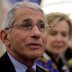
x=59, y=38
x=36, y=34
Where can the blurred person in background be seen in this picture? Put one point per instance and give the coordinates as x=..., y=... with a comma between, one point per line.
x=24, y=35
x=58, y=38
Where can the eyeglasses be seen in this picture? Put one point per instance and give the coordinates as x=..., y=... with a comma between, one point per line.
x=28, y=25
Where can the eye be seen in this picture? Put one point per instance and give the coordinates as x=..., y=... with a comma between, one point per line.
x=64, y=34
x=53, y=33
x=41, y=24
x=26, y=23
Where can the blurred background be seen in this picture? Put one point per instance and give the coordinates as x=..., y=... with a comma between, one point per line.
x=48, y=6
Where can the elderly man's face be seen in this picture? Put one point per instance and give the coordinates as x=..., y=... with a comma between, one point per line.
x=28, y=35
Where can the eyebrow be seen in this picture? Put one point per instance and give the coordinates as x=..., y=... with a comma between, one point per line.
x=25, y=20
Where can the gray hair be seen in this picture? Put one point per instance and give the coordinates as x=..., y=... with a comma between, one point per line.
x=10, y=18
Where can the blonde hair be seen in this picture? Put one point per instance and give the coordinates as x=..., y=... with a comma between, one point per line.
x=55, y=17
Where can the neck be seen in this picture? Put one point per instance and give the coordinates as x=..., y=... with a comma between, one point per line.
x=24, y=60
x=27, y=61
x=56, y=57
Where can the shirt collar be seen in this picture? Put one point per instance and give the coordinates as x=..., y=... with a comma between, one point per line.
x=19, y=67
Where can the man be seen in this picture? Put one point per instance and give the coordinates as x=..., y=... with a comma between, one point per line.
x=24, y=34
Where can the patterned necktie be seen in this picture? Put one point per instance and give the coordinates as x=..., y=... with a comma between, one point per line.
x=30, y=70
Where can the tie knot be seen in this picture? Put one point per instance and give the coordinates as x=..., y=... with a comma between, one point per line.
x=30, y=70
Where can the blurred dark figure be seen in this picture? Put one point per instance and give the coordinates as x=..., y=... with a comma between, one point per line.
x=68, y=56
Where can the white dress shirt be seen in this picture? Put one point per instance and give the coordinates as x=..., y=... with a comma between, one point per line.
x=19, y=67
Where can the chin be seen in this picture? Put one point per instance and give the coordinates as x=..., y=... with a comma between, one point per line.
x=58, y=52
x=36, y=55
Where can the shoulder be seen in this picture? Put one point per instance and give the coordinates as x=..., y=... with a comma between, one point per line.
x=5, y=64
x=4, y=58
x=44, y=63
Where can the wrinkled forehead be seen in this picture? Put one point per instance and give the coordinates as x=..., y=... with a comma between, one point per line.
x=25, y=12
x=33, y=16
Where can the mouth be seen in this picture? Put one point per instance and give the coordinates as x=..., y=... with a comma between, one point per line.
x=34, y=46
x=58, y=46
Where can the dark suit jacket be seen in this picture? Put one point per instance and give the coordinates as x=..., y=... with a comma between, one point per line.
x=68, y=56
x=7, y=66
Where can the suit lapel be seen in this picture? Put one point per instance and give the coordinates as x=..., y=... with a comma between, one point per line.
x=5, y=64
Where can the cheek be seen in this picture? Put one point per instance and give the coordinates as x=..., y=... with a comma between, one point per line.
x=18, y=38
x=50, y=40
x=66, y=40
x=20, y=35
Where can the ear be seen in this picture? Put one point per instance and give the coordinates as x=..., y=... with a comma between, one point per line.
x=4, y=37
